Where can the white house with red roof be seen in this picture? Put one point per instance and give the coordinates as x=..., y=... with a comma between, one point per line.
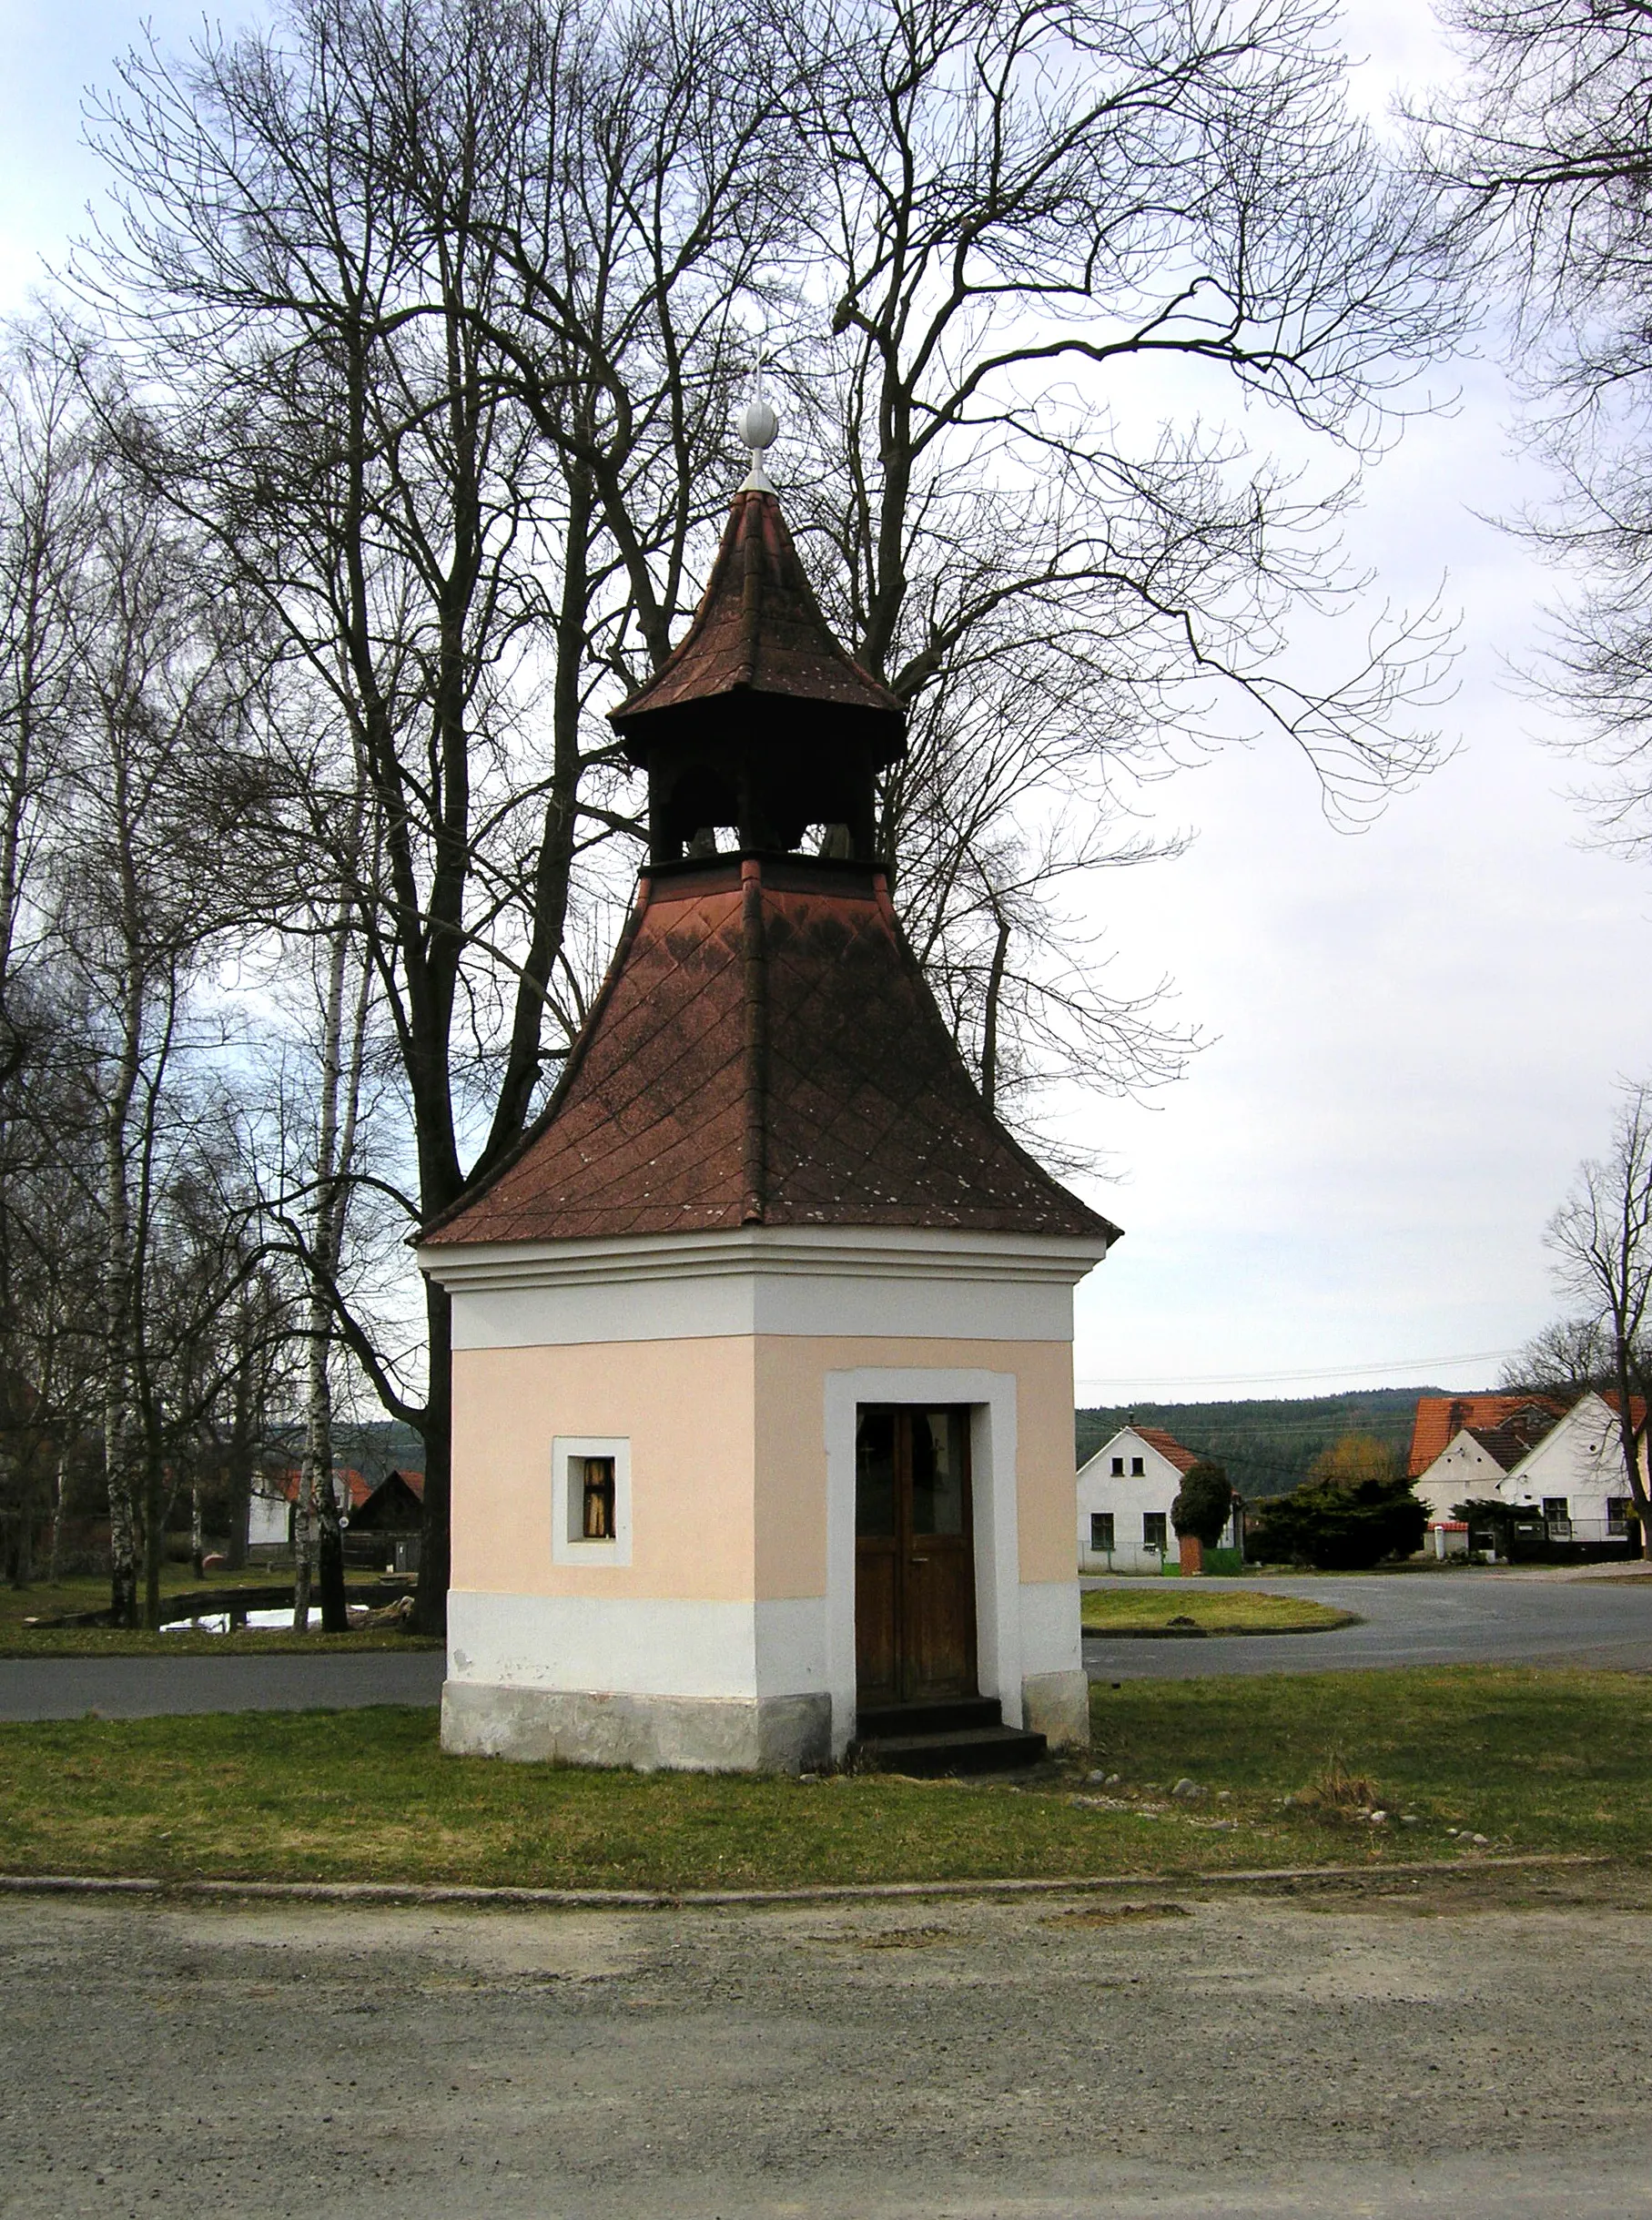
x=273, y=1505
x=1565, y=1467
x=1125, y=1494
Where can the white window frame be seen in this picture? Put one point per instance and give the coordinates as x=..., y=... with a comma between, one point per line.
x=568, y=1544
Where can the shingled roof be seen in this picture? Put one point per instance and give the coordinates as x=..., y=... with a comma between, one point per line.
x=759, y=630
x=1440, y=1418
x=764, y=1052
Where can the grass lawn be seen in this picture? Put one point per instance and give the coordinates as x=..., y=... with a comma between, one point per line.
x=90, y=1592
x=1145, y=1610
x=1532, y=1760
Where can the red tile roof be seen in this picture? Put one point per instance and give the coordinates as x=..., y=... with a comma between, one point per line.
x=1440, y=1418
x=285, y=1485
x=759, y=629
x=1168, y=1446
x=764, y=1052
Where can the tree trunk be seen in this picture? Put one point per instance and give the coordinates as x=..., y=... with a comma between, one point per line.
x=303, y=1528
x=1629, y=1434
x=430, y=1597
x=240, y=1461
x=55, y=1550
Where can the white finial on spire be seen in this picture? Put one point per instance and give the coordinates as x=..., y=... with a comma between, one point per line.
x=758, y=427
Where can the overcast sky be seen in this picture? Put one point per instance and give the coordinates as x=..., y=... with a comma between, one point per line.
x=1416, y=1031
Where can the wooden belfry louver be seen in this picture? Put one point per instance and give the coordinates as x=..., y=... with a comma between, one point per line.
x=768, y=1264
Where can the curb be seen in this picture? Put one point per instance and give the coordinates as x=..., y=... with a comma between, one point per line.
x=1211, y=1634
x=415, y=1893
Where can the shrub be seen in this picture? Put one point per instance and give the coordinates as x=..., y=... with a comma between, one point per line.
x=1203, y=1503
x=1339, y=1528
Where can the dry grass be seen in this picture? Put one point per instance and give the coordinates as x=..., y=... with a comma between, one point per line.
x=1147, y=1607
x=367, y=1795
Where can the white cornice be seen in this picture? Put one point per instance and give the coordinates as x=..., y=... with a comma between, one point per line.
x=850, y=1252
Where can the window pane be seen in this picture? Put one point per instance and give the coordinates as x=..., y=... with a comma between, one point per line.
x=874, y=1473
x=938, y=1471
x=1102, y=1530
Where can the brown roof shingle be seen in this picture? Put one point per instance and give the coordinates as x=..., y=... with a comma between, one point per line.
x=759, y=629
x=764, y=1052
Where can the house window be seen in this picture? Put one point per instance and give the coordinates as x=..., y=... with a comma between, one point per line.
x=1556, y=1518
x=1153, y=1525
x=1620, y=1510
x=1118, y=1468
x=1136, y=1468
x=1102, y=1531
x=590, y=1500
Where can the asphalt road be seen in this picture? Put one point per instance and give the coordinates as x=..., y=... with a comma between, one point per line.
x=155, y=1687
x=1411, y=1619
x=1426, y=1618
x=1226, y=2058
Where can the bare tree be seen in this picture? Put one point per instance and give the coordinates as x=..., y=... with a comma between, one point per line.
x=1601, y=1237
x=1020, y=207
x=1567, y=1359
x=1541, y=161
x=345, y=1001
x=327, y=296
x=451, y=297
x=139, y=869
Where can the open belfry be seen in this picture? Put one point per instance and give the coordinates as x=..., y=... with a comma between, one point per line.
x=762, y=1401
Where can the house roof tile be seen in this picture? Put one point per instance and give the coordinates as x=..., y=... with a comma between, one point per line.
x=1167, y=1445
x=1440, y=1418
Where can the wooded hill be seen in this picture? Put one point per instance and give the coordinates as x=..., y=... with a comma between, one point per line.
x=1267, y=1448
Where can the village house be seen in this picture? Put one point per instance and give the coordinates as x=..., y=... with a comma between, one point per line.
x=762, y=1340
x=273, y=1505
x=1561, y=1466
x=1125, y=1494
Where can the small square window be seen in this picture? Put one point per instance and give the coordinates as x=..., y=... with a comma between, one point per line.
x=1136, y=1468
x=590, y=1500
x=1118, y=1468
x=1102, y=1531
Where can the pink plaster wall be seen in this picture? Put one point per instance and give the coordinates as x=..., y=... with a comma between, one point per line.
x=791, y=1436
x=687, y=1410
x=703, y=1417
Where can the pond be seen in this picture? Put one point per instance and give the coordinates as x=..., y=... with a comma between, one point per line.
x=219, y=1622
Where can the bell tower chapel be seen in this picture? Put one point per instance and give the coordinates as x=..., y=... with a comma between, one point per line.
x=763, y=1405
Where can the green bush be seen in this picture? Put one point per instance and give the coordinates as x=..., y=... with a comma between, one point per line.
x=1342, y=1529
x=1204, y=1502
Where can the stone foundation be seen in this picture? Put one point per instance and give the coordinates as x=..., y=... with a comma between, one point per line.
x=772, y=1734
x=1056, y=1706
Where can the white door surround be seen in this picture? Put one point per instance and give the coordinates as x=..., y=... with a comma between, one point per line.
x=991, y=1398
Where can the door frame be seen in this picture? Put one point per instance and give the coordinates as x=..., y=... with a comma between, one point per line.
x=907, y=1548
x=991, y=1398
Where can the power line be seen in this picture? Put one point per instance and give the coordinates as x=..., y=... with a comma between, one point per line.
x=1275, y=1379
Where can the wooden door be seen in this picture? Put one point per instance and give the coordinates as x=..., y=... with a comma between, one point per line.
x=914, y=1554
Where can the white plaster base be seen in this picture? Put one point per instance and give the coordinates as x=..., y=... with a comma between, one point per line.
x=771, y=1734
x=1056, y=1706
